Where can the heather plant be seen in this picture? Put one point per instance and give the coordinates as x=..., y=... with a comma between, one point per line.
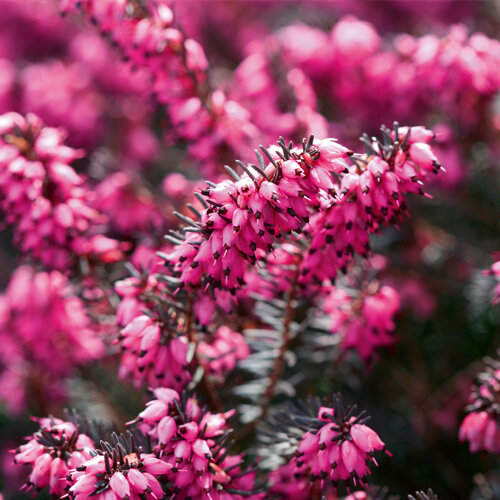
x=249, y=249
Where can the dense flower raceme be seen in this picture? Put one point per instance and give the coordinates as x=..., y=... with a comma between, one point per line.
x=481, y=426
x=76, y=81
x=364, y=319
x=455, y=74
x=89, y=91
x=44, y=198
x=311, y=190
x=45, y=334
x=146, y=34
x=121, y=469
x=370, y=195
x=193, y=443
x=252, y=213
x=156, y=346
x=280, y=97
x=155, y=350
x=52, y=451
x=337, y=446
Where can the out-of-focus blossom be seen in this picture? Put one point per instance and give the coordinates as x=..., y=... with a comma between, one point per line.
x=45, y=334
x=365, y=321
x=118, y=471
x=494, y=271
x=130, y=206
x=63, y=95
x=220, y=353
x=43, y=196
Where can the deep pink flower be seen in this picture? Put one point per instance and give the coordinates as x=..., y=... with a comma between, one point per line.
x=251, y=214
x=365, y=319
x=220, y=352
x=130, y=206
x=338, y=446
x=494, y=271
x=43, y=196
x=52, y=451
x=154, y=353
x=150, y=40
x=118, y=471
x=480, y=427
x=371, y=193
x=45, y=333
x=189, y=440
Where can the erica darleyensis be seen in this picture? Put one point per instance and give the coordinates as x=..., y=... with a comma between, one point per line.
x=44, y=198
x=55, y=449
x=481, y=425
x=193, y=442
x=331, y=445
x=322, y=190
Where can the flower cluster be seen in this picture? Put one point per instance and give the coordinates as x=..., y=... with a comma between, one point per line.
x=220, y=353
x=191, y=441
x=119, y=470
x=45, y=334
x=130, y=207
x=264, y=81
x=313, y=191
x=252, y=213
x=154, y=345
x=155, y=351
x=44, y=197
x=481, y=426
x=365, y=321
x=370, y=195
x=453, y=74
x=52, y=451
x=336, y=447
x=146, y=34
x=245, y=305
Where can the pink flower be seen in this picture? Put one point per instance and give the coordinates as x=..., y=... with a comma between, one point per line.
x=189, y=441
x=52, y=451
x=494, y=271
x=370, y=194
x=130, y=206
x=153, y=352
x=220, y=353
x=118, y=471
x=480, y=427
x=42, y=195
x=354, y=39
x=250, y=214
x=46, y=333
x=364, y=319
